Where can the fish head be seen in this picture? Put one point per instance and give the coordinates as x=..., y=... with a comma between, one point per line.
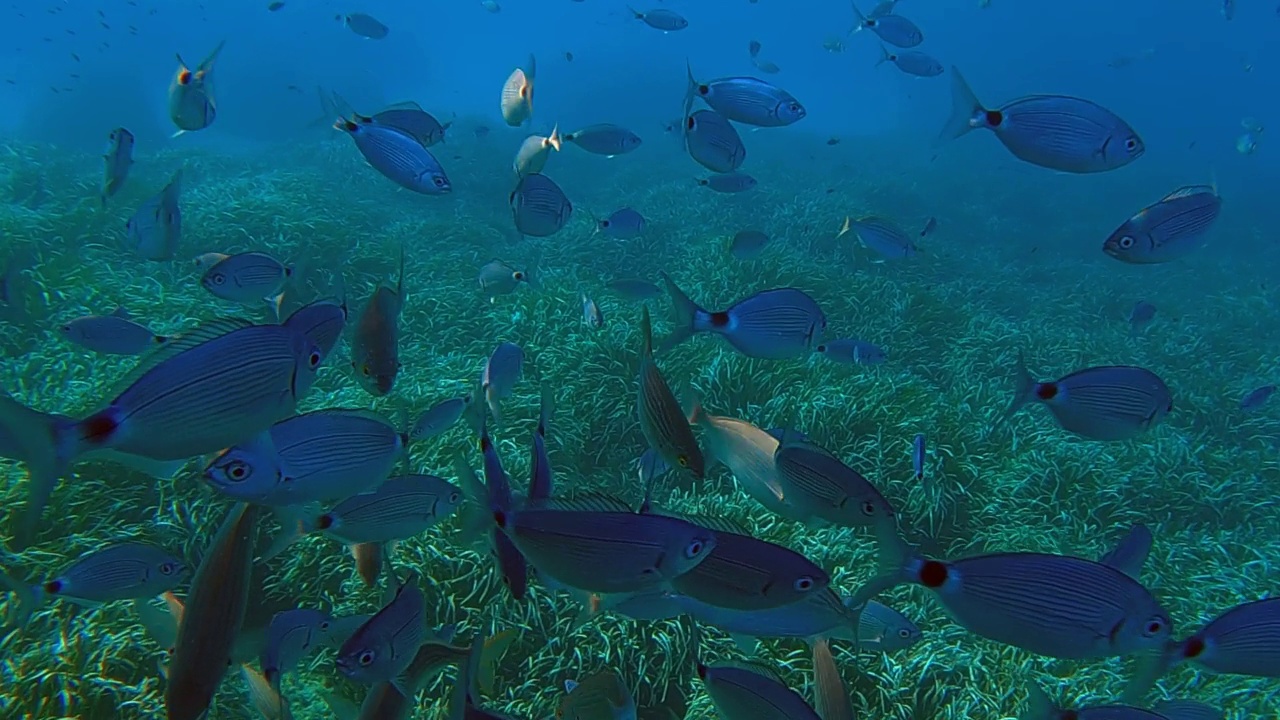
x=688, y=549
x=245, y=471
x=363, y=659
x=1123, y=147
x=376, y=377
x=900, y=635
x=790, y=110
x=1129, y=244
x=439, y=182
x=1146, y=627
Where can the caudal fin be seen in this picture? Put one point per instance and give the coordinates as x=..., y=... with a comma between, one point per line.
x=685, y=314
x=1024, y=388
x=41, y=442
x=964, y=107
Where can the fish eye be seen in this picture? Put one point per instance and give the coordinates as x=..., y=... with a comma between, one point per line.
x=439, y=181
x=804, y=584
x=694, y=549
x=324, y=624
x=366, y=658
x=517, y=275
x=904, y=633
x=683, y=461
x=868, y=508
x=1126, y=242
x=168, y=568
x=314, y=359
x=237, y=471
x=1131, y=144
x=1155, y=626
x=454, y=497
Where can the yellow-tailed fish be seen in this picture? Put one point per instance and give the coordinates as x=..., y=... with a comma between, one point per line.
x=191, y=103
x=517, y=95
x=375, y=349
x=534, y=152
x=661, y=419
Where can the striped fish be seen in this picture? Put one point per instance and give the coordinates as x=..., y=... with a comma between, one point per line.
x=1108, y=402
x=1053, y=605
x=247, y=277
x=291, y=636
x=1130, y=554
x=893, y=29
x=539, y=207
x=744, y=573
x=313, y=457
x=502, y=371
x=605, y=139
x=398, y=509
x=1168, y=229
x=734, y=182
x=399, y=156
x=713, y=143
x=155, y=228
x=118, y=161
x=409, y=117
x=662, y=420
x=1040, y=707
x=748, y=691
x=439, y=418
x=747, y=100
x=881, y=236
x=384, y=647
x=375, y=347
x=512, y=564
x=777, y=324
x=213, y=617
x=830, y=694
x=823, y=487
x=517, y=95
x=540, y=476
x=748, y=453
x=322, y=322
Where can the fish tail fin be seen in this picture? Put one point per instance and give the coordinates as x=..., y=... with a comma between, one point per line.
x=47, y=445
x=555, y=139
x=685, y=313
x=885, y=55
x=294, y=524
x=28, y=599
x=859, y=20
x=691, y=91
x=1024, y=387
x=894, y=554
x=845, y=227
x=964, y=106
x=638, y=15
x=1039, y=706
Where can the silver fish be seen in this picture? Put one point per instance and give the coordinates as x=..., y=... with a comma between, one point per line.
x=634, y=288
x=592, y=316
x=734, y=182
x=830, y=695
x=247, y=277
x=742, y=691
x=539, y=207
x=535, y=151
x=411, y=118
x=499, y=278
x=191, y=102
x=400, y=508
x=748, y=244
x=1257, y=397
x=773, y=324
x=439, y=418
x=664, y=20
x=114, y=334
x=502, y=371
x=851, y=351
x=1168, y=229
x=382, y=648
x=1110, y=402
x=713, y=143
x=118, y=159
x=1141, y=315
x=605, y=139
x=398, y=156
x=517, y=95
x=747, y=100
x=155, y=228
x=911, y=62
x=821, y=486
x=884, y=237
x=291, y=636
x=893, y=29
x=366, y=26
x=623, y=224
x=1040, y=707
x=662, y=420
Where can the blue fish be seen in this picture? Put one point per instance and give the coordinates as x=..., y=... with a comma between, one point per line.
x=747, y=100
x=713, y=143
x=322, y=322
x=605, y=139
x=541, y=480
x=439, y=418
x=399, y=156
x=400, y=508
x=1256, y=398
x=191, y=103
x=912, y=62
x=119, y=160
x=375, y=347
x=382, y=648
x=291, y=636
x=1169, y=229
x=624, y=224
x=660, y=19
x=728, y=183
x=1109, y=402
x=539, y=208
x=409, y=117
x=777, y=324
x=740, y=691
x=822, y=488
x=502, y=371
x=366, y=26
x=1040, y=707
x=511, y=562
x=851, y=351
x=114, y=334
x=881, y=236
x=1140, y=316
x=1058, y=132
x=893, y=29
x=155, y=228
x=1130, y=554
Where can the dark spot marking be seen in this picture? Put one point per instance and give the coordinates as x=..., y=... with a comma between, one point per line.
x=720, y=319
x=994, y=117
x=933, y=574
x=1047, y=391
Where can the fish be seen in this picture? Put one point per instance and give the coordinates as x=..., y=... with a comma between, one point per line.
x=247, y=277
x=539, y=207
x=1058, y=132
x=265, y=699
x=1108, y=402
x=1247, y=143
x=1169, y=229
x=623, y=224
x=607, y=550
x=660, y=19
x=911, y=62
x=491, y=6
x=929, y=226
x=662, y=420
x=1141, y=315
x=882, y=628
x=592, y=316
x=495, y=494
x=499, y=278
x=748, y=453
x=764, y=66
x=600, y=696
x=541, y=477
x=535, y=151
x=918, y=456
x=778, y=324
x=1256, y=398
x=652, y=467
x=383, y=648
x=733, y=182
x=439, y=418
x=634, y=289
x=273, y=7
x=605, y=139
x=747, y=100
x=1040, y=707
x=815, y=481
x=851, y=351
x=118, y=160
x=1229, y=9
x=386, y=701
x=743, y=691
x=712, y=142
x=502, y=371
x=155, y=228
x=213, y=616
x=317, y=456
x=882, y=8
x=881, y=236
x=204, y=261
x=369, y=559
x=114, y=334
x=321, y=322
x=830, y=694
x=366, y=26
x=410, y=118
x=375, y=348
x=745, y=573
x=517, y=95
x=398, y=156
x=291, y=636
x=893, y=29
x=121, y=571
x=1057, y=606
x=191, y=103
x=748, y=244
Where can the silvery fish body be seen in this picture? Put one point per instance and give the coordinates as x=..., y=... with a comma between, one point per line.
x=912, y=62
x=1109, y=402
x=382, y=648
x=399, y=156
x=852, y=351
x=893, y=29
x=773, y=324
x=291, y=636
x=246, y=277
x=884, y=237
x=321, y=322
x=539, y=207
x=155, y=228
x=729, y=183
x=517, y=95
x=744, y=692
x=191, y=102
x=114, y=334
x=624, y=224
x=747, y=100
x=1169, y=229
x=660, y=19
x=366, y=26
x=400, y=508
x=412, y=119
x=744, y=573
x=605, y=139
x=439, y=418
x=118, y=159
x=713, y=142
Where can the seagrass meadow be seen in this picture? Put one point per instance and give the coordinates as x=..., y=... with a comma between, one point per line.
x=1014, y=268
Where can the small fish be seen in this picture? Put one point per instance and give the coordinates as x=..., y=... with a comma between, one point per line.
x=568, y=56
x=833, y=44
x=1169, y=229
x=1109, y=402
x=747, y=100
x=535, y=151
x=398, y=156
x=929, y=226
x=600, y=696
x=1247, y=143
x=822, y=487
x=291, y=636
x=375, y=348
x=539, y=207
x=592, y=316
x=502, y=370
x=366, y=26
x=1052, y=605
x=191, y=102
x=634, y=289
x=745, y=573
x=664, y=20
x=764, y=66
x=155, y=228
x=605, y=139
x=1141, y=315
x=1256, y=398
x=881, y=236
x=497, y=497
x=382, y=648
x=114, y=334
x=273, y=7
x=623, y=224
x=712, y=142
x=1040, y=707
x=748, y=244
x=918, y=450
x=313, y=457
x=401, y=507
x=118, y=159
x=491, y=6
x=247, y=277
x=776, y=324
x=498, y=278
x=442, y=416
x=1229, y=9
x=517, y=95
x=662, y=420
x=911, y=62
x=852, y=351
x=321, y=322
x=1058, y=132
x=541, y=478
x=893, y=29
x=830, y=694
x=370, y=559
x=734, y=182
x=740, y=691
x=412, y=119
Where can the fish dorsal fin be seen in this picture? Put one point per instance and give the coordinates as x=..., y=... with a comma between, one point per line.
x=198, y=335
x=587, y=502
x=718, y=524
x=1188, y=191
x=758, y=668
x=570, y=685
x=405, y=105
x=121, y=313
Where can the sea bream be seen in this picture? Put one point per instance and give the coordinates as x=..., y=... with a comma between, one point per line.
x=191, y=103
x=1108, y=402
x=517, y=95
x=397, y=155
x=118, y=159
x=776, y=324
x=747, y=100
x=155, y=228
x=375, y=347
x=1172, y=227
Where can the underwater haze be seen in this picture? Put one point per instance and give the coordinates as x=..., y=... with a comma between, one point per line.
x=738, y=359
